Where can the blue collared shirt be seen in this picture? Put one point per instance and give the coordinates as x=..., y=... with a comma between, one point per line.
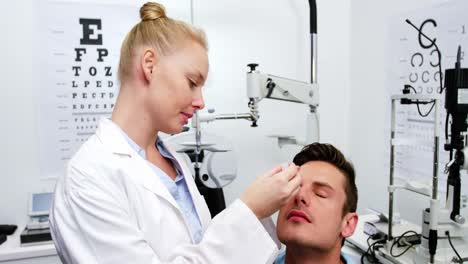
x=177, y=188
x=282, y=258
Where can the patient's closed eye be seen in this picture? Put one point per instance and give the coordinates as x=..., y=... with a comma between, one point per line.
x=322, y=190
x=321, y=194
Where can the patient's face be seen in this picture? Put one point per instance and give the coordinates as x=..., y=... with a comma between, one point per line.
x=315, y=217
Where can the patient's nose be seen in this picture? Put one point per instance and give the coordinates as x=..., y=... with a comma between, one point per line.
x=301, y=197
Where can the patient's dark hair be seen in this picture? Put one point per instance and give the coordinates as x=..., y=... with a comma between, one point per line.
x=328, y=153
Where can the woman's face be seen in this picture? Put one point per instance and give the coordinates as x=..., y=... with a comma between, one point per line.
x=175, y=89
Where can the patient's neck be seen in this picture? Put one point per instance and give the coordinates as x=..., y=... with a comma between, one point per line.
x=305, y=255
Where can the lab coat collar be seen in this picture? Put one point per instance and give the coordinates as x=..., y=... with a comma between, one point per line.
x=111, y=137
x=109, y=134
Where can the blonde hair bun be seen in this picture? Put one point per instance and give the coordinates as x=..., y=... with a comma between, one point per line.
x=158, y=31
x=152, y=11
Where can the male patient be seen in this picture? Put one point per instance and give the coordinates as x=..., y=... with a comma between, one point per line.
x=315, y=223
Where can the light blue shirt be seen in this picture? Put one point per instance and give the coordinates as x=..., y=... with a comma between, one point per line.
x=177, y=188
x=282, y=258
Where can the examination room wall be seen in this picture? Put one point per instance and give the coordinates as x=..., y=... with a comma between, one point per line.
x=368, y=96
x=271, y=33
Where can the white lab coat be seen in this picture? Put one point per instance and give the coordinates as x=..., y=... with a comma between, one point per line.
x=111, y=208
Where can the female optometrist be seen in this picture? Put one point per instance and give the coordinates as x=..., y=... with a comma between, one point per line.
x=127, y=198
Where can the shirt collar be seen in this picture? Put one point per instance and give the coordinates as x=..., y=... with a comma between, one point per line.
x=161, y=148
x=132, y=144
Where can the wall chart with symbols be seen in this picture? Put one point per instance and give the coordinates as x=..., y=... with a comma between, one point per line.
x=413, y=60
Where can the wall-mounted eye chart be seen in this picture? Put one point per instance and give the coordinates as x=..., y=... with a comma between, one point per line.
x=77, y=52
x=413, y=60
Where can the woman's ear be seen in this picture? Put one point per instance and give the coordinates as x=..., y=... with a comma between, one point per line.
x=148, y=62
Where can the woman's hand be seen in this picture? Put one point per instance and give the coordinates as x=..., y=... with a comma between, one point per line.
x=272, y=190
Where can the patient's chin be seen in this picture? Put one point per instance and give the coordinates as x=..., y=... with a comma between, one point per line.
x=291, y=234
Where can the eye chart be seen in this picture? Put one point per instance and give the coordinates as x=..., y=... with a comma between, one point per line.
x=77, y=54
x=413, y=60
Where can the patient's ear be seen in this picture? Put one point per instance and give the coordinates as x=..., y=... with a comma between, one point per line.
x=349, y=224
